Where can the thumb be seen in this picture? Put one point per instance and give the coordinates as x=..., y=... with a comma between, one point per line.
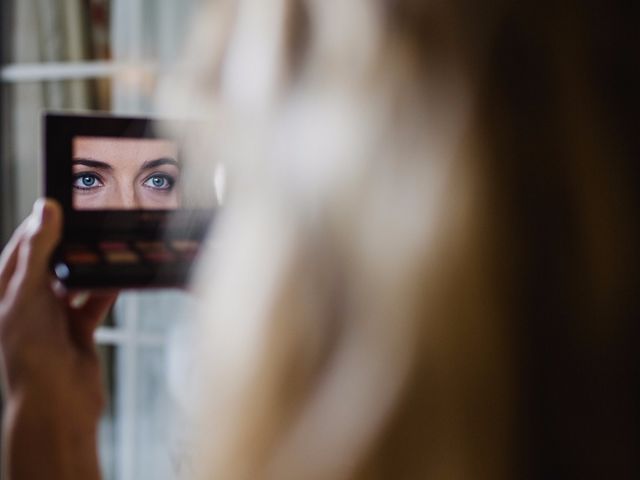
x=42, y=236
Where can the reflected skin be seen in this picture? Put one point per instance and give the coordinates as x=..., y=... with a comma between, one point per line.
x=125, y=174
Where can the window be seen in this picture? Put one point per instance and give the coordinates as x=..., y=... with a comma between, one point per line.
x=100, y=55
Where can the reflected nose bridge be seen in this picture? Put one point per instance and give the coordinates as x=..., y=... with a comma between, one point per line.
x=127, y=194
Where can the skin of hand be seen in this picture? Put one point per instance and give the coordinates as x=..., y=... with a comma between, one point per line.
x=50, y=370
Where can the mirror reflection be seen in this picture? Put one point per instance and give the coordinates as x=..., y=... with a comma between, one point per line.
x=125, y=174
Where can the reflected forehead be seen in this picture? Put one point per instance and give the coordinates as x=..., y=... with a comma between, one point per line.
x=106, y=148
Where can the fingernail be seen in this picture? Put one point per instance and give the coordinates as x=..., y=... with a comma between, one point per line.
x=35, y=219
x=79, y=300
x=45, y=211
x=40, y=211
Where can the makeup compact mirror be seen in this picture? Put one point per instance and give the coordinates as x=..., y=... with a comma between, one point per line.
x=133, y=215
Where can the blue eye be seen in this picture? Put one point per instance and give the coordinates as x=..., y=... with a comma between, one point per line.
x=86, y=181
x=159, y=182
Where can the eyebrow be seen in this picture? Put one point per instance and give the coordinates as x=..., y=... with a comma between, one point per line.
x=92, y=163
x=159, y=162
x=105, y=166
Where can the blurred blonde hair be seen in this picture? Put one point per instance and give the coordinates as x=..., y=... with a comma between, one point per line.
x=425, y=264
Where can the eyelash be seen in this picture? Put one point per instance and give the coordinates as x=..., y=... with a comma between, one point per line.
x=168, y=178
x=82, y=175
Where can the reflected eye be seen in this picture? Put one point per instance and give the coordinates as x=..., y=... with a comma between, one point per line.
x=86, y=181
x=159, y=182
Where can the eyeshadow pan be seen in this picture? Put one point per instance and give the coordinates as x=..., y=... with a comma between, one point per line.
x=122, y=257
x=188, y=249
x=84, y=257
x=151, y=246
x=156, y=252
x=185, y=246
x=159, y=256
x=78, y=247
x=114, y=246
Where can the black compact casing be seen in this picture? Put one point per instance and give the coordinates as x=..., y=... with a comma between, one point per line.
x=95, y=226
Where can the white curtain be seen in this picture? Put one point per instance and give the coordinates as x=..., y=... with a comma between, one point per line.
x=43, y=31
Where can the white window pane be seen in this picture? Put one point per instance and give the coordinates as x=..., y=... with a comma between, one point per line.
x=108, y=434
x=153, y=312
x=155, y=455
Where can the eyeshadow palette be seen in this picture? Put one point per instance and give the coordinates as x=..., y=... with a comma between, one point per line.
x=133, y=219
x=149, y=262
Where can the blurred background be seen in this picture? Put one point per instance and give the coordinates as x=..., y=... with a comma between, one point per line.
x=103, y=55
x=541, y=300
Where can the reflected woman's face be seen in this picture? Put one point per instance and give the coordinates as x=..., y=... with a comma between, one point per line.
x=123, y=174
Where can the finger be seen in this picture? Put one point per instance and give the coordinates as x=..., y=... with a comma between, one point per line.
x=86, y=319
x=42, y=236
x=9, y=256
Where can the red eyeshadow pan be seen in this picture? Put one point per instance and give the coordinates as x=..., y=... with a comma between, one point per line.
x=84, y=257
x=113, y=246
x=159, y=257
x=155, y=252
